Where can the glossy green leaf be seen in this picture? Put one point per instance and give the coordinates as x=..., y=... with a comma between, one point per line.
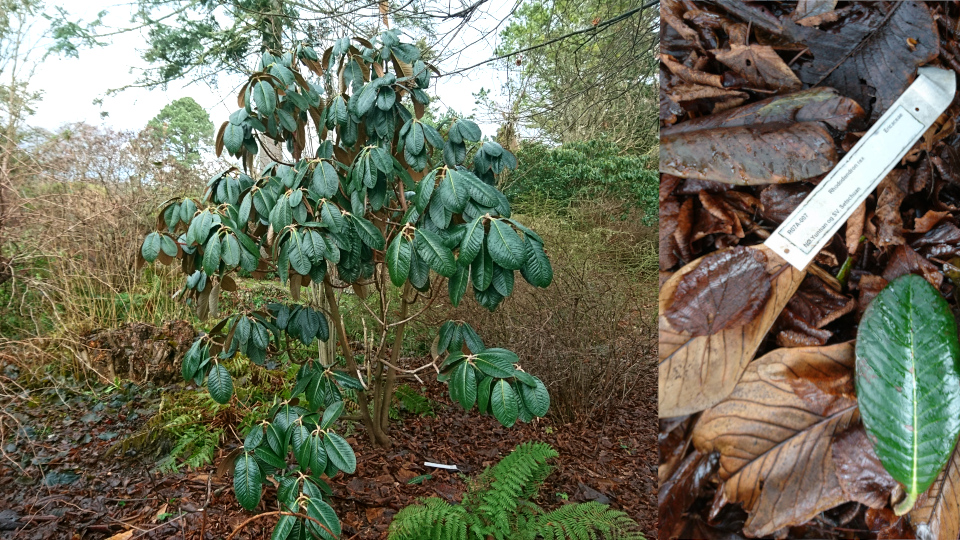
x=283, y=528
x=368, y=232
x=457, y=284
x=908, y=382
x=398, y=260
x=323, y=513
x=331, y=414
x=505, y=246
x=536, y=269
x=496, y=362
x=220, y=384
x=453, y=190
x=247, y=481
x=340, y=453
x=536, y=398
x=463, y=385
x=472, y=242
x=503, y=403
x=431, y=249
x=483, y=394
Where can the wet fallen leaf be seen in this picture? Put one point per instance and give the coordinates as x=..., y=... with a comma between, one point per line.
x=812, y=105
x=681, y=490
x=906, y=261
x=936, y=516
x=726, y=290
x=869, y=58
x=760, y=65
x=774, y=435
x=887, y=525
x=890, y=223
x=862, y=477
x=812, y=307
x=696, y=372
x=766, y=154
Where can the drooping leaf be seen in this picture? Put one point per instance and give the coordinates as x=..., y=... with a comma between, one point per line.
x=265, y=96
x=779, y=421
x=325, y=515
x=503, y=403
x=339, y=453
x=505, y=246
x=536, y=399
x=325, y=180
x=398, y=260
x=463, y=385
x=151, y=247
x=472, y=242
x=431, y=249
x=220, y=384
x=247, y=481
x=698, y=372
x=908, y=382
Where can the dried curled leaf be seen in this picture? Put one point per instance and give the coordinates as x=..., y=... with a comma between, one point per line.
x=697, y=372
x=774, y=435
x=765, y=154
x=726, y=290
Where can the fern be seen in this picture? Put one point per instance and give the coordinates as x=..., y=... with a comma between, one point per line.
x=497, y=505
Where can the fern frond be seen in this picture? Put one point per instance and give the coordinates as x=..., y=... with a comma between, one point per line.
x=434, y=519
x=587, y=521
x=498, y=491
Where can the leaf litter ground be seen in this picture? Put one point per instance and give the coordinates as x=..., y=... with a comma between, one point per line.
x=57, y=483
x=759, y=432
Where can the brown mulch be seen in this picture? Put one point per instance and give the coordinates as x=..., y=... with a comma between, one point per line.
x=55, y=481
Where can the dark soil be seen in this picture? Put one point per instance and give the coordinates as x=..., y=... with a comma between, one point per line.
x=56, y=481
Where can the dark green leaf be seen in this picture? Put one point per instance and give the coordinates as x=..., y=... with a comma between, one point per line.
x=398, y=260
x=503, y=403
x=496, y=362
x=247, y=481
x=331, y=414
x=536, y=399
x=340, y=453
x=323, y=513
x=431, y=249
x=472, y=242
x=220, y=384
x=505, y=246
x=536, y=269
x=463, y=386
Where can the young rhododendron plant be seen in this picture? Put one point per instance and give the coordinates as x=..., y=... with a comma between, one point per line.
x=385, y=202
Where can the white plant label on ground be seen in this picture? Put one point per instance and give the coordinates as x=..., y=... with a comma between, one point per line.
x=804, y=233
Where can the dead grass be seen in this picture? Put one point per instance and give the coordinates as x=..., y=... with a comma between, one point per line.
x=590, y=336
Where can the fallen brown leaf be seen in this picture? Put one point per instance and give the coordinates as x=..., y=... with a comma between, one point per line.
x=774, y=435
x=813, y=105
x=765, y=154
x=936, y=514
x=697, y=372
x=760, y=65
x=861, y=475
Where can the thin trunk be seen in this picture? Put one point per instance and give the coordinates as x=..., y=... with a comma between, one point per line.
x=377, y=437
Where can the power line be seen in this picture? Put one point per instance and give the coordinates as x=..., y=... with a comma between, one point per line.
x=593, y=28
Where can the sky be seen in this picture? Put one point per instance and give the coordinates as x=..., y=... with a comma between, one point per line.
x=70, y=85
